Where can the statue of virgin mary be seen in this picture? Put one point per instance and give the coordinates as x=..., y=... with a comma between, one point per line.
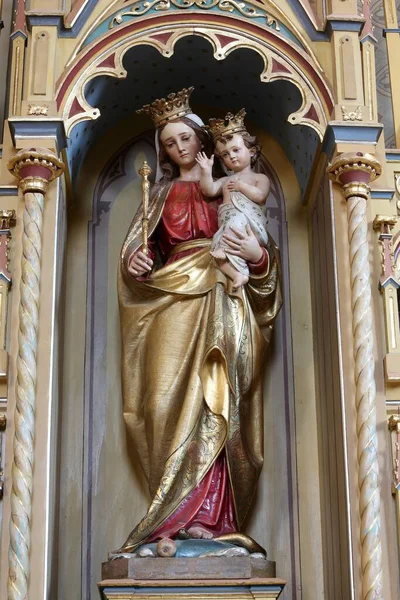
x=193, y=355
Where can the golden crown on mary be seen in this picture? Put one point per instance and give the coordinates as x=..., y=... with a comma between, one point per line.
x=174, y=106
x=229, y=125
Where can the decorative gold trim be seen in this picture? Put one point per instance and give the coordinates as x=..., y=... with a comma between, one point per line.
x=16, y=77
x=381, y=220
x=355, y=161
x=370, y=91
x=394, y=424
x=18, y=52
x=164, y=5
x=7, y=218
x=268, y=6
x=34, y=184
x=35, y=157
x=361, y=190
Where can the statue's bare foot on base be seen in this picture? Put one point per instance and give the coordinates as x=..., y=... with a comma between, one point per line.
x=198, y=533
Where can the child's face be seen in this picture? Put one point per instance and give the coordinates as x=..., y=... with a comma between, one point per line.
x=235, y=154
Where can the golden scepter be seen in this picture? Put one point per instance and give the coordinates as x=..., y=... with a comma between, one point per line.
x=145, y=171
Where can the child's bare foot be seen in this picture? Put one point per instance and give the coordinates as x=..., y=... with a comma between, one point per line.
x=219, y=254
x=239, y=280
x=199, y=533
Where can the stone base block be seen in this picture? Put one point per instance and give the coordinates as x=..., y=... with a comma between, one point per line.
x=238, y=567
x=231, y=589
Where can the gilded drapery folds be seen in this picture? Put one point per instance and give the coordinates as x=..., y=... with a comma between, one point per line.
x=192, y=372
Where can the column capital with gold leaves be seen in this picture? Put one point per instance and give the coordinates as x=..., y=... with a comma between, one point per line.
x=35, y=168
x=354, y=171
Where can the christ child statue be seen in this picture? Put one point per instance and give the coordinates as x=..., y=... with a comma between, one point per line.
x=244, y=193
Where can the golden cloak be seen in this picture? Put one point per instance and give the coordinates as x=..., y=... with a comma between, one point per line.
x=192, y=372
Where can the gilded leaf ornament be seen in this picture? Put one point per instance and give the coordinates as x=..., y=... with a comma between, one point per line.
x=141, y=8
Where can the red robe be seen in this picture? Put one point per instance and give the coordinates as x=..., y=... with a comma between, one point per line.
x=188, y=216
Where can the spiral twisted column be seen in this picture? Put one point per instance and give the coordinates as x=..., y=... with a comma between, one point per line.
x=34, y=168
x=354, y=171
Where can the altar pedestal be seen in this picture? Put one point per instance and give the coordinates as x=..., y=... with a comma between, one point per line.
x=230, y=589
x=211, y=578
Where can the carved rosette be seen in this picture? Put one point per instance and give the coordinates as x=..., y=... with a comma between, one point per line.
x=354, y=172
x=34, y=168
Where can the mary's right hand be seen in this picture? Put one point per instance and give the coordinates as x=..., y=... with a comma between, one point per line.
x=139, y=264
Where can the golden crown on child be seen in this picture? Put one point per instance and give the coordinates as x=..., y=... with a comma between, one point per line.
x=163, y=110
x=231, y=124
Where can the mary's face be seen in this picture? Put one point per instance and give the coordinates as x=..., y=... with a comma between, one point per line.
x=181, y=144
